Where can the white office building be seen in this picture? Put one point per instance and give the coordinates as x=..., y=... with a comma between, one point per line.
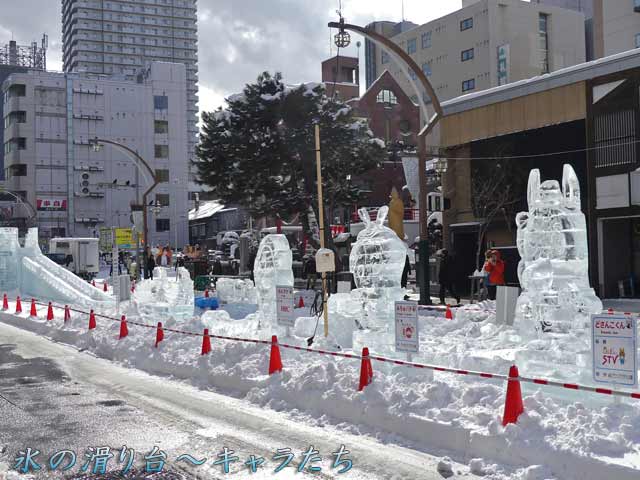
x=485, y=44
x=123, y=36
x=50, y=119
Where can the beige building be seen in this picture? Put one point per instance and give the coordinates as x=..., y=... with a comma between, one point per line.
x=616, y=26
x=488, y=43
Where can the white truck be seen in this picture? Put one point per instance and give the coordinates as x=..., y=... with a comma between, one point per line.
x=82, y=255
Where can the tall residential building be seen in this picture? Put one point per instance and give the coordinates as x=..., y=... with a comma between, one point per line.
x=50, y=119
x=584, y=6
x=616, y=26
x=16, y=58
x=123, y=36
x=485, y=44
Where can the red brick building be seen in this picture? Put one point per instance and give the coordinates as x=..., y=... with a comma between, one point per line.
x=343, y=74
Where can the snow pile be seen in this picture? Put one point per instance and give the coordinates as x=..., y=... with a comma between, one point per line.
x=575, y=435
x=162, y=296
x=235, y=291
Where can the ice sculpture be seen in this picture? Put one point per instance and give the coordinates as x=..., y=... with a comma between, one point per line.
x=377, y=260
x=234, y=290
x=28, y=271
x=165, y=296
x=554, y=265
x=273, y=266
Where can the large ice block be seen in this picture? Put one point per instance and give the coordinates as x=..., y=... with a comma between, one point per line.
x=273, y=267
x=164, y=296
x=554, y=265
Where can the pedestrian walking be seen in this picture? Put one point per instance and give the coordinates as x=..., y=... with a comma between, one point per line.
x=447, y=276
x=494, y=266
x=309, y=271
x=405, y=273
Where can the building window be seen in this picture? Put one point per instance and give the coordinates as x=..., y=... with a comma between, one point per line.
x=163, y=225
x=411, y=46
x=466, y=24
x=468, y=84
x=161, y=126
x=162, y=199
x=17, y=170
x=466, y=55
x=15, y=117
x=162, y=175
x=638, y=38
x=384, y=58
x=160, y=102
x=543, y=33
x=161, y=151
x=426, y=39
x=426, y=68
x=387, y=96
x=636, y=5
x=17, y=90
x=412, y=74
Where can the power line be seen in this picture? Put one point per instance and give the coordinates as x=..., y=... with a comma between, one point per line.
x=536, y=155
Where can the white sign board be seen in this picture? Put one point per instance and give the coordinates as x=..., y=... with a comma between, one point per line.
x=284, y=305
x=407, y=337
x=325, y=261
x=615, y=358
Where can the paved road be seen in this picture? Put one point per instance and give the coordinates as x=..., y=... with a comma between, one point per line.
x=66, y=399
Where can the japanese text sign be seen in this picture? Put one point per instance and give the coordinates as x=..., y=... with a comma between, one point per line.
x=614, y=349
x=284, y=305
x=407, y=338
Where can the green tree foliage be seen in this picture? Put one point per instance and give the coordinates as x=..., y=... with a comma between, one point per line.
x=259, y=152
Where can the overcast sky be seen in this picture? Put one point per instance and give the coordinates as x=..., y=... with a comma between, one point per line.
x=238, y=39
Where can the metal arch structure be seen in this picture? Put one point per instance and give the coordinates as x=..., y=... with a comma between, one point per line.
x=138, y=161
x=29, y=221
x=425, y=294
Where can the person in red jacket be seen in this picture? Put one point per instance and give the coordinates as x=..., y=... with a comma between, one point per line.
x=494, y=266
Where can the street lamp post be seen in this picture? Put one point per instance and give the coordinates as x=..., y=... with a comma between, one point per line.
x=96, y=144
x=423, y=154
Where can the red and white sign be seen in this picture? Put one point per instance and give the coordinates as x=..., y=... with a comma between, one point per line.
x=284, y=305
x=614, y=349
x=55, y=204
x=407, y=335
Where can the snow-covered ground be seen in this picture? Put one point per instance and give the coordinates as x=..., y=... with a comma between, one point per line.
x=561, y=435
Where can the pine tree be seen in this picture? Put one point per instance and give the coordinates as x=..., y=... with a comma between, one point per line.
x=259, y=152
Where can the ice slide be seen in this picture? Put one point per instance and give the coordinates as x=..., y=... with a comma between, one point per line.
x=27, y=270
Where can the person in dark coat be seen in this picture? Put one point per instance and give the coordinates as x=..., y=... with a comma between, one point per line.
x=309, y=271
x=151, y=264
x=447, y=276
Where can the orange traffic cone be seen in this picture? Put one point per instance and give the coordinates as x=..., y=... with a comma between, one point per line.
x=133, y=286
x=301, y=302
x=34, y=312
x=92, y=320
x=18, y=305
x=448, y=314
x=93, y=282
x=124, y=330
x=275, y=362
x=206, y=293
x=159, y=334
x=5, y=302
x=366, y=371
x=67, y=313
x=104, y=287
x=206, y=342
x=50, y=312
x=513, y=406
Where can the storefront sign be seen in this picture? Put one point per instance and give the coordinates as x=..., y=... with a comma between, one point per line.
x=614, y=349
x=284, y=305
x=124, y=238
x=51, y=204
x=407, y=335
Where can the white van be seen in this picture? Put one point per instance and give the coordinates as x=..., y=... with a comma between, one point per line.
x=85, y=260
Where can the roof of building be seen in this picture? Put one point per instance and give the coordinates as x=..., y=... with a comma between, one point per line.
x=386, y=75
x=205, y=210
x=566, y=76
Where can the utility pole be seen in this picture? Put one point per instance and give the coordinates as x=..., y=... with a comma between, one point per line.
x=321, y=223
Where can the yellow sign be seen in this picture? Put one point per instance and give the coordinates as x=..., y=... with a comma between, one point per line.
x=124, y=237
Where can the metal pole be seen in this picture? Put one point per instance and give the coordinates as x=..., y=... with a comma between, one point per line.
x=321, y=223
x=423, y=246
x=145, y=232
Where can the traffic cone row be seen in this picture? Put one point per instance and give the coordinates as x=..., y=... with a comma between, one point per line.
x=67, y=313
x=5, y=302
x=301, y=303
x=366, y=370
x=18, y=305
x=104, y=287
x=33, y=312
x=50, y=312
x=206, y=293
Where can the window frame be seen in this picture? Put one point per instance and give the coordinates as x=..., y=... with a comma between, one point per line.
x=426, y=40
x=468, y=85
x=466, y=24
x=466, y=55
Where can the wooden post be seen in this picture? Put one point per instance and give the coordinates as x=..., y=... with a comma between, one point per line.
x=321, y=223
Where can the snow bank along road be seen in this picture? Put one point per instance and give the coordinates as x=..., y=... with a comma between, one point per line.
x=67, y=399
